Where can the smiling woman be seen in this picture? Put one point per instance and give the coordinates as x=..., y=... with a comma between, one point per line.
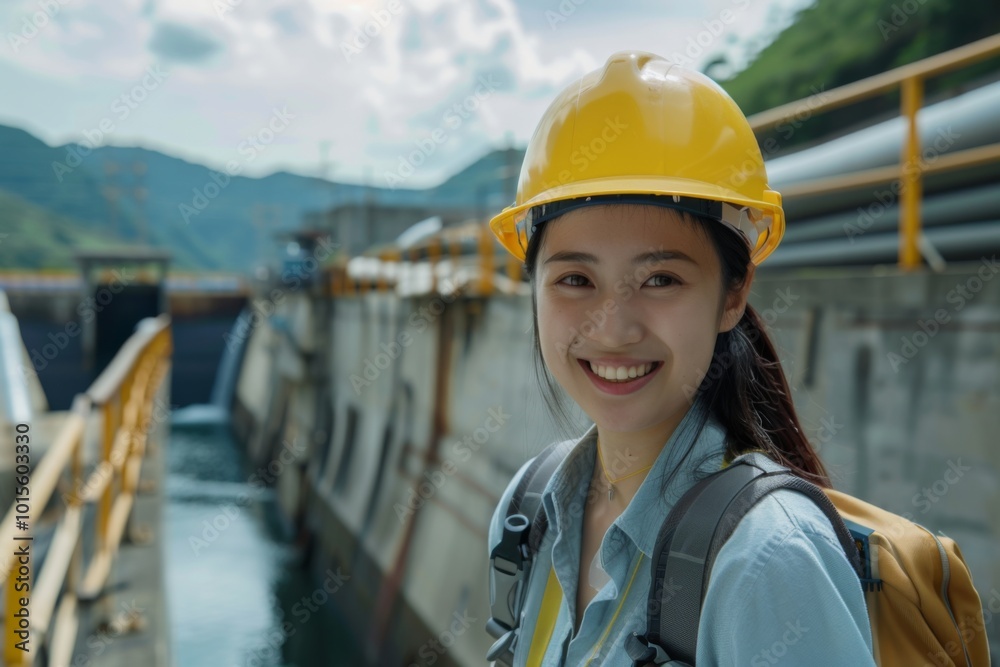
x=641, y=260
x=668, y=322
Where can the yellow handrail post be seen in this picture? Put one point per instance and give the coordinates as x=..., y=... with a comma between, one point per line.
x=454, y=255
x=911, y=182
x=486, y=261
x=76, y=473
x=110, y=428
x=132, y=430
x=335, y=282
x=112, y=410
x=75, y=499
x=380, y=275
x=123, y=394
x=909, y=172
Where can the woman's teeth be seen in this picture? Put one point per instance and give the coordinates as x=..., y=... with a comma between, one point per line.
x=620, y=373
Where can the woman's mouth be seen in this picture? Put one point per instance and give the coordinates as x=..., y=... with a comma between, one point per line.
x=620, y=379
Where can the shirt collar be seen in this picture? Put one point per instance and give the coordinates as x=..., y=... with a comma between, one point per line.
x=695, y=448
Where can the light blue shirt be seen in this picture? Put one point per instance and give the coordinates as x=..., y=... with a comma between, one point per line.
x=781, y=591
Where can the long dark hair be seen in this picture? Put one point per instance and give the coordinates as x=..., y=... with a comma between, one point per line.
x=746, y=387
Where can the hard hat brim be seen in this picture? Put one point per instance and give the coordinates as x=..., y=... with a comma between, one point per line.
x=767, y=211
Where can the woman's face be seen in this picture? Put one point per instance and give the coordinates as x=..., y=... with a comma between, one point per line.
x=634, y=293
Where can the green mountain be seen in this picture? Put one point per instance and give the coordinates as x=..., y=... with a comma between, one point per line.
x=206, y=219
x=56, y=199
x=835, y=42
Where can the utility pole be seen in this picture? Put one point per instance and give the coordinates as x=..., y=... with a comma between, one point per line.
x=111, y=194
x=139, y=193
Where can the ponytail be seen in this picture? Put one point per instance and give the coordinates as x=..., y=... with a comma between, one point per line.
x=752, y=399
x=748, y=390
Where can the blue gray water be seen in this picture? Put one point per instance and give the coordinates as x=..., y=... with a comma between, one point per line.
x=234, y=585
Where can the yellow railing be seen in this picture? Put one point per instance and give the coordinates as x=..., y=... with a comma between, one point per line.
x=121, y=400
x=910, y=80
x=910, y=170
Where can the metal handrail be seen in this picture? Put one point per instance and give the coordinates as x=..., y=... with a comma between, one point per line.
x=910, y=79
x=970, y=157
x=124, y=394
x=856, y=91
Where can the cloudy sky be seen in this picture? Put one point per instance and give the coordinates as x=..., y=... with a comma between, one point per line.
x=358, y=85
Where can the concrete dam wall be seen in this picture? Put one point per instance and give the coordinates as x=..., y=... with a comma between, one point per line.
x=390, y=424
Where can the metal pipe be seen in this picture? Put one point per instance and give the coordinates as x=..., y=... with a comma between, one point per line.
x=966, y=121
x=957, y=206
x=954, y=242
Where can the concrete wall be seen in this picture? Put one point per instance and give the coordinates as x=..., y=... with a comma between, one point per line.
x=401, y=475
x=897, y=380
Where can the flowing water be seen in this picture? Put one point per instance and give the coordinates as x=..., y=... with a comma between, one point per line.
x=236, y=595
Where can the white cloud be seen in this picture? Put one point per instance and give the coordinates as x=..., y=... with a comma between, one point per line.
x=372, y=104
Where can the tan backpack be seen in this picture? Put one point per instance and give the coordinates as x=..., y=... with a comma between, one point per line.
x=923, y=608
x=925, y=611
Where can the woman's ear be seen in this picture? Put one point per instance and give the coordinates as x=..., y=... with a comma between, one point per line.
x=736, y=301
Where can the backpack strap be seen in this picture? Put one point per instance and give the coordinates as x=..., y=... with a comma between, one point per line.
x=510, y=561
x=690, y=539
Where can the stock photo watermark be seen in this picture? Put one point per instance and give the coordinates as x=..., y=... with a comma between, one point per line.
x=562, y=12
x=886, y=197
x=302, y=611
x=129, y=619
x=87, y=309
x=33, y=24
x=960, y=296
x=452, y=119
x=626, y=287
x=586, y=154
x=430, y=652
x=930, y=495
x=435, y=479
x=379, y=20
x=121, y=108
x=228, y=513
x=751, y=166
x=968, y=628
x=939, y=488
x=827, y=431
x=699, y=43
x=901, y=13
x=722, y=362
x=263, y=309
x=777, y=650
x=419, y=321
x=160, y=414
x=223, y=7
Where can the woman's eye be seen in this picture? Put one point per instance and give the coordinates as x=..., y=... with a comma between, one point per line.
x=575, y=280
x=662, y=280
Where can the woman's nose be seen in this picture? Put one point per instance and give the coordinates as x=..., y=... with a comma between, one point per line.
x=614, y=325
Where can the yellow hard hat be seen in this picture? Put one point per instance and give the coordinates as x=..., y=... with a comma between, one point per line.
x=643, y=129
